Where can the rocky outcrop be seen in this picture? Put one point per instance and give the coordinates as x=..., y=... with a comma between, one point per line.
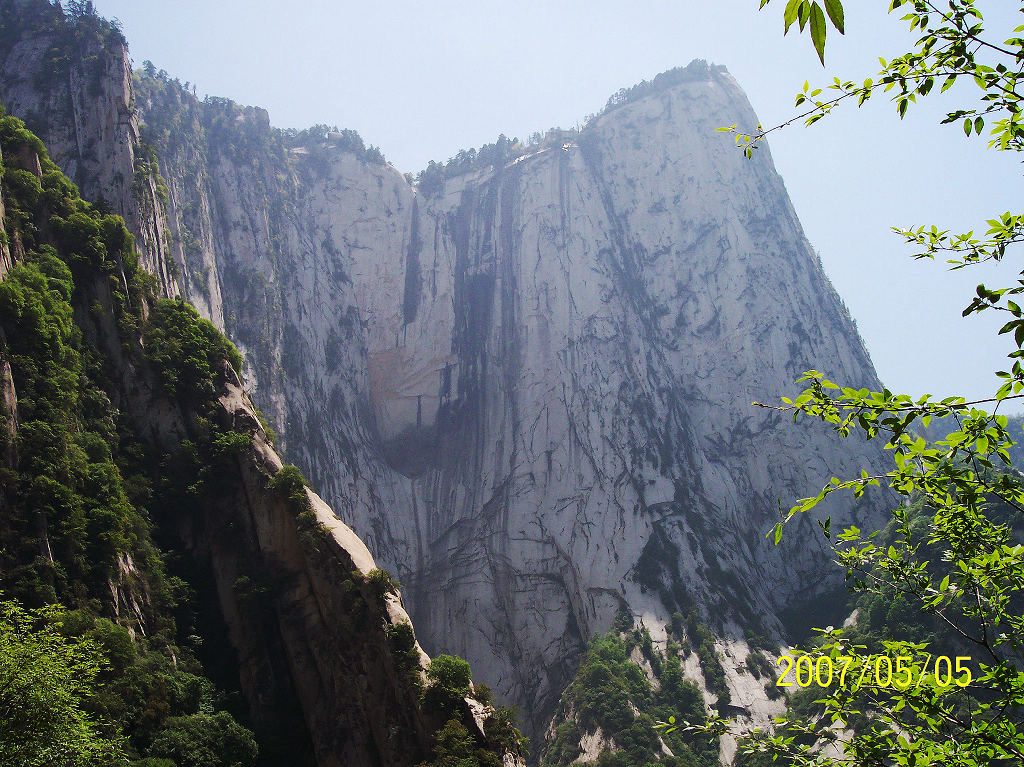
x=75, y=79
x=9, y=414
x=528, y=384
x=5, y=246
x=312, y=636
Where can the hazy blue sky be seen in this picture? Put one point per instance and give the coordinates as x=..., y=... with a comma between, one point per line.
x=425, y=79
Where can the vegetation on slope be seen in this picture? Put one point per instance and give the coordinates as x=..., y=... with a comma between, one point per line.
x=76, y=527
x=448, y=684
x=694, y=71
x=77, y=33
x=238, y=130
x=613, y=694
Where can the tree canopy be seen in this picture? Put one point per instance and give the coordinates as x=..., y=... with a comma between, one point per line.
x=45, y=678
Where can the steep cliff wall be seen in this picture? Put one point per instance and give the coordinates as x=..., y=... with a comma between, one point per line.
x=528, y=385
x=530, y=388
x=312, y=635
x=320, y=637
x=611, y=309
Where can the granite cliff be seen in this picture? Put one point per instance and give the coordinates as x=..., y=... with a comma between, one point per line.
x=526, y=380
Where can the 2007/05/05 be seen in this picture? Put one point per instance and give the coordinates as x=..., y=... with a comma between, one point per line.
x=822, y=670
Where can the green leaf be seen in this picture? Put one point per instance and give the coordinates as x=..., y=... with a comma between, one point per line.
x=835, y=12
x=803, y=14
x=790, y=15
x=818, y=31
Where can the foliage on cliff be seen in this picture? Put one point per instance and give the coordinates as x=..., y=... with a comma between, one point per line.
x=449, y=683
x=69, y=516
x=187, y=350
x=75, y=511
x=613, y=694
x=220, y=123
x=430, y=180
x=696, y=70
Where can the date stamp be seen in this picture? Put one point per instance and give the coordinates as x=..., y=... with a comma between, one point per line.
x=899, y=672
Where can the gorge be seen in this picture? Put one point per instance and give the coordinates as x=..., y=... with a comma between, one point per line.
x=524, y=378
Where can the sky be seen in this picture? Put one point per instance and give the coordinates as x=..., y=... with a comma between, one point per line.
x=422, y=80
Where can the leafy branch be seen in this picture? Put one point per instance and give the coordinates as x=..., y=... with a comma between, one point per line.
x=952, y=549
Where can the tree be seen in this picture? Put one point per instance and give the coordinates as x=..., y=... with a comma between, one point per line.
x=205, y=740
x=455, y=747
x=952, y=558
x=186, y=349
x=45, y=679
x=449, y=680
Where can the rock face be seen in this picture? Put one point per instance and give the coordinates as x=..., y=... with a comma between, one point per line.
x=528, y=384
x=311, y=634
x=77, y=81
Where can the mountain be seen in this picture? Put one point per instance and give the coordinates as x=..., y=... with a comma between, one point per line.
x=524, y=378
x=142, y=495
